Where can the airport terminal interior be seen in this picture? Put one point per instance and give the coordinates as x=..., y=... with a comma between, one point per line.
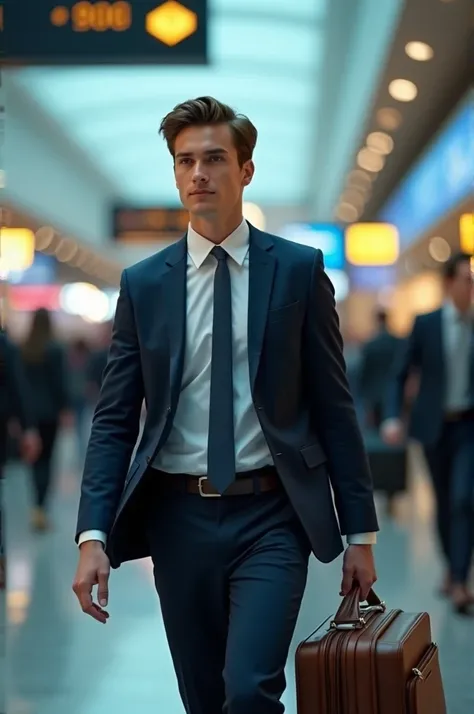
x=365, y=119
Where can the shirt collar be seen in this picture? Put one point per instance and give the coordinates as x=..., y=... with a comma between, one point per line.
x=451, y=312
x=236, y=245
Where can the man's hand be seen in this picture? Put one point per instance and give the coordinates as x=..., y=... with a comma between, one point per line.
x=358, y=565
x=93, y=569
x=392, y=432
x=30, y=446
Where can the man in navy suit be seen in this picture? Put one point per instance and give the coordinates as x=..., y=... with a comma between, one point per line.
x=441, y=350
x=232, y=338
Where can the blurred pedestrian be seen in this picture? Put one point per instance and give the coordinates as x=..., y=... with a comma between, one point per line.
x=46, y=374
x=78, y=364
x=441, y=350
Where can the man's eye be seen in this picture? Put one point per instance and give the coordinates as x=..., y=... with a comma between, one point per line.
x=216, y=158
x=184, y=161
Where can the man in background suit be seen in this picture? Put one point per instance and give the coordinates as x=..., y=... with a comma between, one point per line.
x=232, y=337
x=441, y=350
x=376, y=365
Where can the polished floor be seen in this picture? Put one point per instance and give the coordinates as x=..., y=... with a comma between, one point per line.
x=59, y=661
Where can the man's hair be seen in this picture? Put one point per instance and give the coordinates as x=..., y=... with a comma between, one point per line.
x=450, y=268
x=207, y=110
x=381, y=317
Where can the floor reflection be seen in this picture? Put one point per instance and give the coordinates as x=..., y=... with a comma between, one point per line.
x=60, y=661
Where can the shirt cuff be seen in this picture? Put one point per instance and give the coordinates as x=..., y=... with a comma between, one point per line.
x=92, y=535
x=362, y=539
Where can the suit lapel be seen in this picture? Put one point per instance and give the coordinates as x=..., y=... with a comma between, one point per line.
x=262, y=265
x=174, y=291
x=439, y=340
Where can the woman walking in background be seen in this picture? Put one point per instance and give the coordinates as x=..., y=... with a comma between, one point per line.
x=78, y=361
x=46, y=374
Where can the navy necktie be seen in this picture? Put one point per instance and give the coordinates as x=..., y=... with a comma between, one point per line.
x=221, y=443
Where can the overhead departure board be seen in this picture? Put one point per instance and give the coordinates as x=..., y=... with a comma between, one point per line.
x=149, y=225
x=45, y=32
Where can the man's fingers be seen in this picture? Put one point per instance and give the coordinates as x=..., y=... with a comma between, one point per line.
x=84, y=595
x=366, y=581
x=347, y=579
x=103, y=592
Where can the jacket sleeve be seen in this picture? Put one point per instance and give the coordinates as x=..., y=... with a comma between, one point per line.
x=115, y=425
x=333, y=411
x=408, y=357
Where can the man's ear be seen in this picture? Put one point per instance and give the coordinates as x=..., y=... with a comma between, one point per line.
x=248, y=172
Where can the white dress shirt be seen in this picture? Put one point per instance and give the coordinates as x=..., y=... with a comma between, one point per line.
x=185, y=450
x=457, y=342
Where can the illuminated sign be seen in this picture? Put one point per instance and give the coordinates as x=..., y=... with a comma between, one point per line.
x=439, y=182
x=149, y=225
x=327, y=237
x=369, y=244
x=45, y=32
x=466, y=232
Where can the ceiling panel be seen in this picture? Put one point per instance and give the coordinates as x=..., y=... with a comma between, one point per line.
x=286, y=65
x=265, y=57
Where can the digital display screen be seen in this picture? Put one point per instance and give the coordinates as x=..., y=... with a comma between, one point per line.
x=329, y=238
x=44, y=32
x=149, y=225
x=438, y=182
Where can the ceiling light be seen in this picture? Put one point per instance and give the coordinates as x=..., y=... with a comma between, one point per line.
x=380, y=143
x=439, y=249
x=347, y=213
x=354, y=197
x=403, y=90
x=370, y=161
x=419, y=51
x=360, y=179
x=44, y=237
x=389, y=118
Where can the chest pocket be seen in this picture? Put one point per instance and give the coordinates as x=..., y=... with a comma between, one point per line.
x=290, y=312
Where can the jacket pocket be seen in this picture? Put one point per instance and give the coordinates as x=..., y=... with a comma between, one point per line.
x=284, y=312
x=313, y=455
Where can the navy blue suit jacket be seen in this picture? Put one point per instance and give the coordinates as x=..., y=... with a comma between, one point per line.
x=424, y=353
x=298, y=384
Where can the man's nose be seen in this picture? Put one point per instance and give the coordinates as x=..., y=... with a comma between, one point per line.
x=199, y=175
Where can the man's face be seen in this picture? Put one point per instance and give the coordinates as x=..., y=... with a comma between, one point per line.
x=208, y=176
x=460, y=287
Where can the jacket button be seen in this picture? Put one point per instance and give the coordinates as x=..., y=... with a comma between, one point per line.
x=279, y=454
x=168, y=411
x=148, y=459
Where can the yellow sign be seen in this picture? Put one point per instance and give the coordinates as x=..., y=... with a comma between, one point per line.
x=94, y=16
x=171, y=23
x=372, y=244
x=466, y=232
x=17, y=249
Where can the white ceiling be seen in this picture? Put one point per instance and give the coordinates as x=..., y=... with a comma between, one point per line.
x=265, y=59
x=304, y=82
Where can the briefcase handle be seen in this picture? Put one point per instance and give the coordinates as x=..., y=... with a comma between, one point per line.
x=351, y=612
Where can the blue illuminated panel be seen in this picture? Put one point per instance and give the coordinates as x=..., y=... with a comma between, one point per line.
x=440, y=181
x=327, y=237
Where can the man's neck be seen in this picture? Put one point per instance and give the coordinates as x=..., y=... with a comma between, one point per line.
x=217, y=230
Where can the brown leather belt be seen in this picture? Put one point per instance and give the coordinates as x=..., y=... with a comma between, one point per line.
x=250, y=482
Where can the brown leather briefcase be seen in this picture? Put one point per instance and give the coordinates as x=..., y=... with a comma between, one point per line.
x=370, y=660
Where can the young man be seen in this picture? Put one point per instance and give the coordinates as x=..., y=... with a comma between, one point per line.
x=441, y=350
x=231, y=336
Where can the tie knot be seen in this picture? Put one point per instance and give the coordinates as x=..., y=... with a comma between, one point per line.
x=219, y=253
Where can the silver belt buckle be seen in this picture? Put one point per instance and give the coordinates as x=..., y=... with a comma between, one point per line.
x=201, y=492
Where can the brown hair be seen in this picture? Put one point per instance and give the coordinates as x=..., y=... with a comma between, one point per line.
x=207, y=110
x=39, y=336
